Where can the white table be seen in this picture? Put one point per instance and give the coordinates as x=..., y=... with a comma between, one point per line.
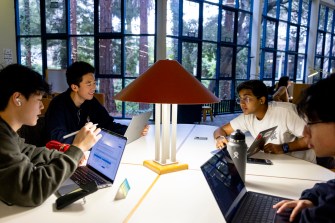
x=99, y=206
x=175, y=199
x=182, y=196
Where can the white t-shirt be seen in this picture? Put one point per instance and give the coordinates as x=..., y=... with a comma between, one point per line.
x=281, y=114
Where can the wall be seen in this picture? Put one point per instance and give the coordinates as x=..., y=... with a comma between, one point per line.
x=7, y=37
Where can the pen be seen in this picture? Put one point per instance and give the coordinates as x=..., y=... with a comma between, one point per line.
x=74, y=133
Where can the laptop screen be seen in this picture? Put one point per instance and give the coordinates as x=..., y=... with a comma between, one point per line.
x=136, y=126
x=224, y=182
x=260, y=140
x=106, y=154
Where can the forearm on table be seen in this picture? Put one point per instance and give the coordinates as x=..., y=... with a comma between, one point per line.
x=297, y=145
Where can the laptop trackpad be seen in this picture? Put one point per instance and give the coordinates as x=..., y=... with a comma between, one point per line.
x=67, y=187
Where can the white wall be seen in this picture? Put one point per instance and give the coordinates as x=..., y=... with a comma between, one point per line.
x=7, y=27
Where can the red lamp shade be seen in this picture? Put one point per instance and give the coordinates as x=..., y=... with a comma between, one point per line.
x=167, y=82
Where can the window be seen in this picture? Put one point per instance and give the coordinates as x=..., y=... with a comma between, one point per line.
x=117, y=37
x=212, y=41
x=284, y=40
x=324, y=53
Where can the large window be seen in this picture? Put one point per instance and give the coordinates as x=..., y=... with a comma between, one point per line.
x=212, y=41
x=210, y=38
x=325, y=44
x=284, y=40
x=115, y=36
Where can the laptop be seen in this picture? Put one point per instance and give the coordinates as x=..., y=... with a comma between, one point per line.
x=260, y=140
x=136, y=126
x=102, y=164
x=231, y=194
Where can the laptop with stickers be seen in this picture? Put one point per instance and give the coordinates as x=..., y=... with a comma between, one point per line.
x=260, y=140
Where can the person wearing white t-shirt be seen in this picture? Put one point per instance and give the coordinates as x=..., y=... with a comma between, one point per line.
x=259, y=114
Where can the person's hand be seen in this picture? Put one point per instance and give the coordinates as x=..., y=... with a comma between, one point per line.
x=83, y=160
x=145, y=130
x=273, y=148
x=87, y=137
x=221, y=142
x=297, y=206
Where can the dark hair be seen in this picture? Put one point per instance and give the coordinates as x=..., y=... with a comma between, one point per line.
x=76, y=71
x=314, y=102
x=283, y=81
x=19, y=78
x=257, y=87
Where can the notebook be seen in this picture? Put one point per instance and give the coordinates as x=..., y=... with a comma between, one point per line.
x=231, y=194
x=136, y=126
x=102, y=164
x=260, y=140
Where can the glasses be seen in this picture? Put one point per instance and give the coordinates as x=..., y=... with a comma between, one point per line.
x=245, y=100
x=315, y=122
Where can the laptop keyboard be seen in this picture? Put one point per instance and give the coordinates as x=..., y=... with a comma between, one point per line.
x=84, y=175
x=257, y=208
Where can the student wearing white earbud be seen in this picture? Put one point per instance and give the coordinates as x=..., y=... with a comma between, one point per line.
x=30, y=174
x=18, y=102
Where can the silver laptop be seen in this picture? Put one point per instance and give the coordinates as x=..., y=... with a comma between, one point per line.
x=235, y=202
x=260, y=140
x=136, y=126
x=102, y=164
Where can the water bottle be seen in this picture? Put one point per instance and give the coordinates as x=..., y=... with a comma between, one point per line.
x=237, y=149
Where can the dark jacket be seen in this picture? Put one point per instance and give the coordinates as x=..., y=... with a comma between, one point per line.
x=322, y=196
x=30, y=174
x=63, y=117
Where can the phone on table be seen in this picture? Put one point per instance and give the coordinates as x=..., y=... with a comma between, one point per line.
x=200, y=138
x=259, y=161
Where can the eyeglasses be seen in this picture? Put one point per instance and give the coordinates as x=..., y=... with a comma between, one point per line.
x=315, y=122
x=245, y=100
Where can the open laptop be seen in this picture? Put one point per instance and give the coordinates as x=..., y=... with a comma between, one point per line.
x=102, y=163
x=260, y=140
x=136, y=126
x=231, y=194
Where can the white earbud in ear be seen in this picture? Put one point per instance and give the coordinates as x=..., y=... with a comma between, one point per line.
x=18, y=102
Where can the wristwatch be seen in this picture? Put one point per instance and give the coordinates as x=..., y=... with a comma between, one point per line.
x=285, y=148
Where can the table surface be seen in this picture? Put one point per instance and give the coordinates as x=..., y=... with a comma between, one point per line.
x=182, y=196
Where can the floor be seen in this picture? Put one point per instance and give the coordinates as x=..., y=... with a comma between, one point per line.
x=219, y=120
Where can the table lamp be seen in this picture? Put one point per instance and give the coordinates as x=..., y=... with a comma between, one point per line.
x=166, y=84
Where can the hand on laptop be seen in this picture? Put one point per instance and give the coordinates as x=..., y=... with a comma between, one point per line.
x=297, y=206
x=145, y=130
x=273, y=148
x=87, y=136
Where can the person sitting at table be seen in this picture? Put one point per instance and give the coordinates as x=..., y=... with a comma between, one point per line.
x=281, y=93
x=72, y=109
x=30, y=174
x=259, y=114
x=318, y=203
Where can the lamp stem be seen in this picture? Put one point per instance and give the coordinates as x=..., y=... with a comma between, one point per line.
x=165, y=132
x=174, y=133
x=157, y=132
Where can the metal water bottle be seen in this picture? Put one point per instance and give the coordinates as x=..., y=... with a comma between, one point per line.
x=237, y=149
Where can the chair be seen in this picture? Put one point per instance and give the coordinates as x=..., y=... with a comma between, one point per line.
x=46, y=101
x=57, y=79
x=205, y=110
